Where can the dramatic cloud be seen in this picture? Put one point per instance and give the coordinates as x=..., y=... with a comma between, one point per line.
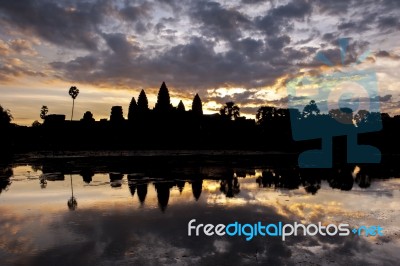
x=70, y=26
x=195, y=46
x=219, y=22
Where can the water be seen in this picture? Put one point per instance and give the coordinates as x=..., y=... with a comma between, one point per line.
x=135, y=212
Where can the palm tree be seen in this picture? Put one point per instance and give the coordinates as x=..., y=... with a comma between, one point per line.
x=72, y=203
x=230, y=110
x=43, y=112
x=73, y=92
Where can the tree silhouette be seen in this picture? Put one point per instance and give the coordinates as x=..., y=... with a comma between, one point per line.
x=197, y=106
x=265, y=114
x=73, y=92
x=282, y=114
x=361, y=117
x=342, y=115
x=43, y=112
x=163, y=100
x=267, y=179
x=310, y=109
x=87, y=117
x=342, y=180
x=230, y=110
x=230, y=186
x=181, y=106
x=116, y=114
x=132, y=109
x=142, y=103
x=36, y=124
x=5, y=116
x=363, y=179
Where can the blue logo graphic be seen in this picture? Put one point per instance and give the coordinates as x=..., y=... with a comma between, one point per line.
x=337, y=104
x=375, y=230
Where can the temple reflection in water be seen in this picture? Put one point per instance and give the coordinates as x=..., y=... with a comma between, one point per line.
x=129, y=210
x=142, y=178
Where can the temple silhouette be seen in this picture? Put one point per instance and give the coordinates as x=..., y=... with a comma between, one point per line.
x=166, y=127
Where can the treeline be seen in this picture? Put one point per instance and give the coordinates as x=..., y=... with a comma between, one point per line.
x=169, y=127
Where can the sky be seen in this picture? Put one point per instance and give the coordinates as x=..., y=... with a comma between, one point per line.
x=245, y=51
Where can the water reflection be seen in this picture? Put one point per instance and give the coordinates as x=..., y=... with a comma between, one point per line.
x=363, y=178
x=289, y=178
x=87, y=175
x=5, y=173
x=135, y=213
x=43, y=181
x=163, y=192
x=72, y=203
x=197, y=187
x=230, y=186
x=142, y=192
x=116, y=179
